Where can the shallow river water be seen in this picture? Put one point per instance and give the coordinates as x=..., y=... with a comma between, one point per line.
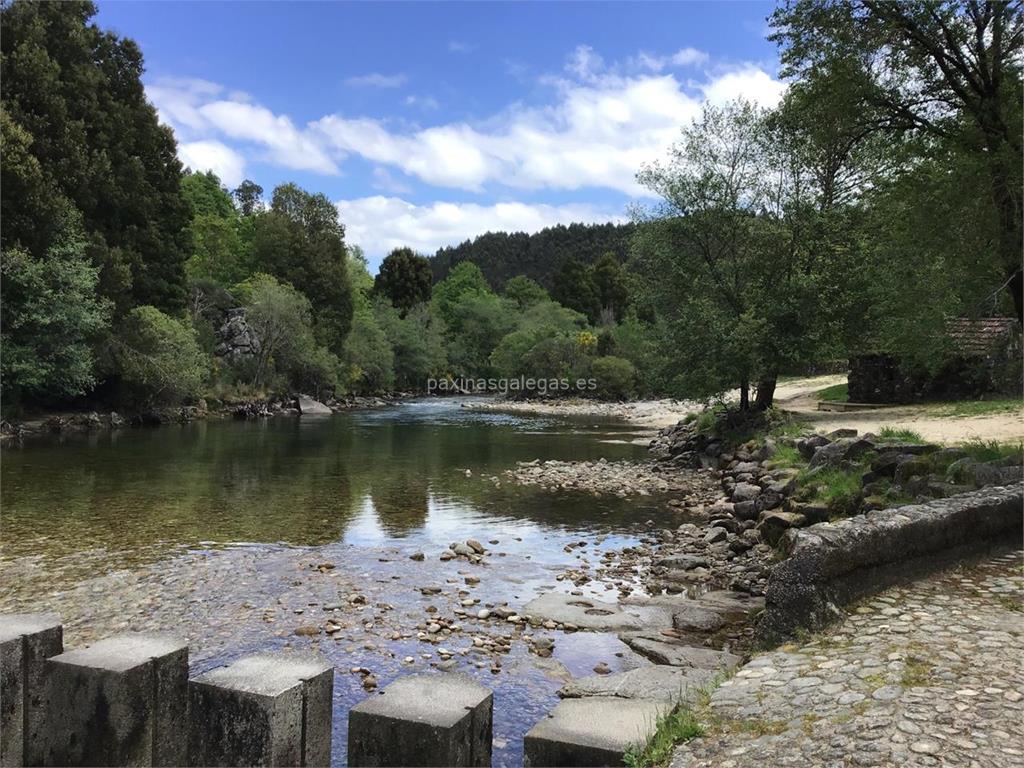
x=235, y=534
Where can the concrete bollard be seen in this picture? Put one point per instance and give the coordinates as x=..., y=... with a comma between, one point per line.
x=593, y=731
x=121, y=701
x=26, y=641
x=429, y=720
x=263, y=710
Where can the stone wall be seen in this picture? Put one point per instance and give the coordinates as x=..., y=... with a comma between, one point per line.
x=833, y=564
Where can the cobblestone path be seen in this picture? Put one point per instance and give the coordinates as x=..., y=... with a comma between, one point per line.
x=931, y=673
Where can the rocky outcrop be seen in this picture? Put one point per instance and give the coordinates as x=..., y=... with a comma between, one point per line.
x=236, y=340
x=310, y=407
x=832, y=564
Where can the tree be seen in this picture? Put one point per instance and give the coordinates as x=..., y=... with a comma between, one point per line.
x=525, y=292
x=615, y=377
x=282, y=319
x=206, y=196
x=417, y=341
x=464, y=281
x=739, y=291
x=76, y=92
x=949, y=71
x=50, y=317
x=249, y=197
x=574, y=287
x=404, y=278
x=611, y=287
x=158, y=358
x=300, y=241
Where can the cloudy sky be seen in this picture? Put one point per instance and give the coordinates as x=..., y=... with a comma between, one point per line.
x=431, y=123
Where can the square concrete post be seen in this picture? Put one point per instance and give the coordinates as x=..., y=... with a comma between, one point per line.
x=121, y=701
x=429, y=720
x=26, y=641
x=594, y=731
x=267, y=709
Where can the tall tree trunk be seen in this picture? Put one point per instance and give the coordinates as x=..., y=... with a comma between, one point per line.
x=765, y=393
x=744, y=395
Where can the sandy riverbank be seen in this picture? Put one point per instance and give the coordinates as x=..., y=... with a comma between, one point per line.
x=799, y=397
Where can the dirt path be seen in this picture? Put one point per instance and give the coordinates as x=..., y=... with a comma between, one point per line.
x=800, y=397
x=926, y=420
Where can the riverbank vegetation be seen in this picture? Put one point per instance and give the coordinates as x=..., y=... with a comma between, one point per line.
x=880, y=199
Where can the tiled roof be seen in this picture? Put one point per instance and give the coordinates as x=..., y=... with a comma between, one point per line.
x=981, y=336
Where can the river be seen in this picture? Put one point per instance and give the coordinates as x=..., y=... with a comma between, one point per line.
x=235, y=534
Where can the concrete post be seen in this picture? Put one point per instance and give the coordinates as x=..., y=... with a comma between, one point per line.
x=26, y=641
x=429, y=720
x=122, y=701
x=593, y=731
x=273, y=710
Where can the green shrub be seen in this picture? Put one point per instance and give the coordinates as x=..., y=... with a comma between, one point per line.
x=900, y=433
x=158, y=358
x=615, y=377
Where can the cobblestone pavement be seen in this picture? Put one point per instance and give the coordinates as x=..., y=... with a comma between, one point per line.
x=931, y=673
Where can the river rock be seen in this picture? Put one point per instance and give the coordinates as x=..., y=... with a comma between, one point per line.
x=661, y=683
x=694, y=618
x=662, y=649
x=774, y=524
x=310, y=407
x=585, y=613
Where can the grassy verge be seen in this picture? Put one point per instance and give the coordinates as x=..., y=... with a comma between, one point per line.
x=900, y=433
x=837, y=393
x=966, y=408
x=682, y=724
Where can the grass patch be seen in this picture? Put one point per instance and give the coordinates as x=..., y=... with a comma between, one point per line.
x=786, y=457
x=840, y=492
x=1010, y=603
x=676, y=727
x=992, y=450
x=916, y=672
x=966, y=408
x=837, y=393
x=900, y=433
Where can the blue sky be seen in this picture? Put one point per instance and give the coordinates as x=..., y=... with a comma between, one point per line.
x=430, y=123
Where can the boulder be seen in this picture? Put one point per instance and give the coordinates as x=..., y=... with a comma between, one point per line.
x=695, y=618
x=807, y=446
x=310, y=407
x=585, y=613
x=774, y=524
x=843, y=449
x=745, y=492
x=662, y=649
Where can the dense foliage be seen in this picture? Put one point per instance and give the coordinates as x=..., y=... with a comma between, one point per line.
x=502, y=256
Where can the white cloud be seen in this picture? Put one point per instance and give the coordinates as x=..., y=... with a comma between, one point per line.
x=377, y=80
x=599, y=128
x=214, y=156
x=461, y=46
x=684, y=57
x=379, y=223
x=748, y=82
x=384, y=181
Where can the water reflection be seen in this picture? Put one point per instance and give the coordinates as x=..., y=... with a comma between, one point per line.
x=399, y=473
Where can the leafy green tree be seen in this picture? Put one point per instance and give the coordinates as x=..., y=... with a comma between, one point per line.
x=612, y=291
x=417, y=341
x=544, y=320
x=158, y=358
x=740, y=294
x=615, y=377
x=282, y=319
x=574, y=287
x=300, y=241
x=525, y=292
x=945, y=71
x=249, y=197
x=206, y=196
x=464, y=281
x=404, y=278
x=50, y=317
x=479, y=323
x=76, y=91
